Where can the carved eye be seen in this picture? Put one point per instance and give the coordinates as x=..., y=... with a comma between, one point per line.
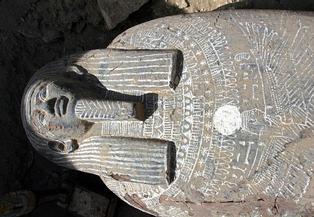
x=68, y=147
x=41, y=118
x=56, y=146
x=42, y=95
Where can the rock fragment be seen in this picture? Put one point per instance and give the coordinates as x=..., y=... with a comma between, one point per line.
x=164, y=7
x=86, y=203
x=116, y=11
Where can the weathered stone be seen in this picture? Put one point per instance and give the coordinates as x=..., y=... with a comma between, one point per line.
x=164, y=7
x=205, y=114
x=51, y=35
x=86, y=203
x=116, y=11
x=15, y=204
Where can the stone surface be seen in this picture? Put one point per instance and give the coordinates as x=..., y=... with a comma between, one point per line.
x=168, y=150
x=24, y=25
x=15, y=204
x=116, y=11
x=170, y=7
x=85, y=203
x=191, y=6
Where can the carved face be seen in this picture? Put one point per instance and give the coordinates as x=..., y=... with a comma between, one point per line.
x=51, y=106
x=61, y=108
x=52, y=110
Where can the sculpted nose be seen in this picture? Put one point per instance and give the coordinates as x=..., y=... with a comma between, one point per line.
x=48, y=106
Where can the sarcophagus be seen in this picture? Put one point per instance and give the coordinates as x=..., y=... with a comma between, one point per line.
x=206, y=114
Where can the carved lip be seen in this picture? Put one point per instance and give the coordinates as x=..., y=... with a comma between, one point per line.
x=61, y=106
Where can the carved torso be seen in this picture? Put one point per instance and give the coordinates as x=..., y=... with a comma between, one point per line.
x=215, y=110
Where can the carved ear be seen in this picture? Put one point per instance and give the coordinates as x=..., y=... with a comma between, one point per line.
x=79, y=73
x=79, y=70
x=63, y=147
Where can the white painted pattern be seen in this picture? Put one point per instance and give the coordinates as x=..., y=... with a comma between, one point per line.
x=227, y=119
